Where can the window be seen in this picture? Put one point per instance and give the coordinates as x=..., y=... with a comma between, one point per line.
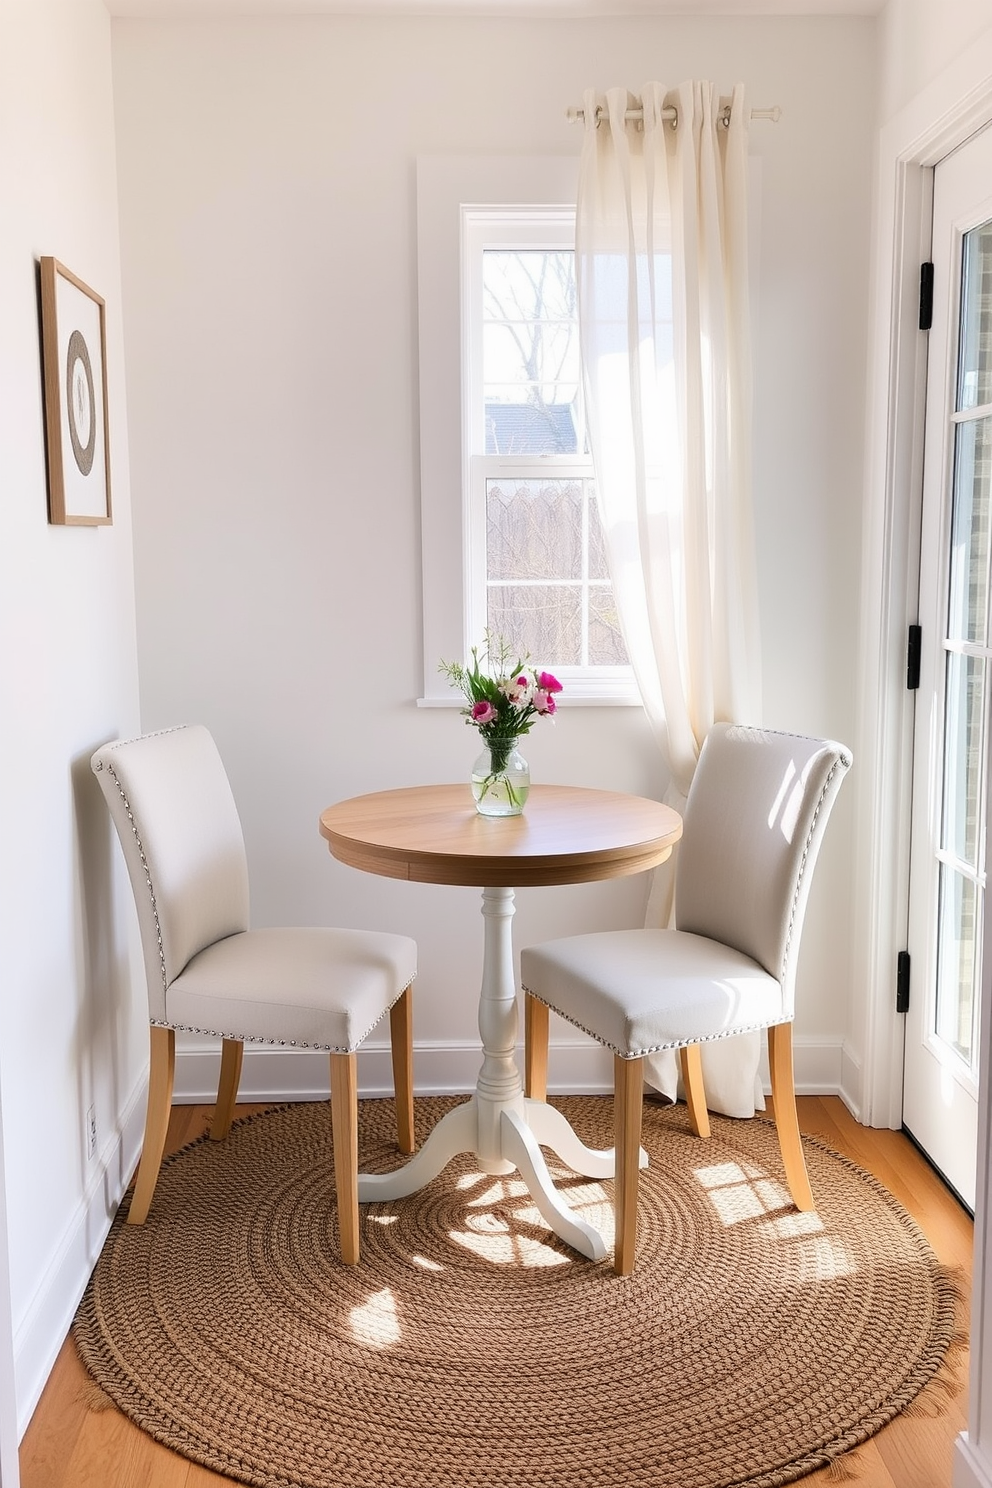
x=510, y=526
x=537, y=570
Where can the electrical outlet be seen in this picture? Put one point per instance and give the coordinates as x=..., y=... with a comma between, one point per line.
x=91, y=1132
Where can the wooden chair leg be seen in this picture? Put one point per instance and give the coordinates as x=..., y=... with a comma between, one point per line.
x=628, y=1095
x=786, y=1115
x=344, y=1136
x=161, y=1074
x=401, y=1048
x=232, y=1054
x=535, y=1048
x=691, y=1060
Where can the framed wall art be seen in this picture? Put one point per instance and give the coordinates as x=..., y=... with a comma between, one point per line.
x=74, y=357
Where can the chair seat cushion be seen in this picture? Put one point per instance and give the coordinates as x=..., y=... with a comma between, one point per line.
x=638, y=991
x=322, y=988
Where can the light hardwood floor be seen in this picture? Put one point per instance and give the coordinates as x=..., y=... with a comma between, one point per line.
x=70, y=1445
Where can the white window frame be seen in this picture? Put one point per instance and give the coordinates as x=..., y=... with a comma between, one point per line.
x=451, y=189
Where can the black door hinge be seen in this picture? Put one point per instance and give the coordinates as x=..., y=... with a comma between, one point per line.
x=902, y=982
x=926, y=296
x=914, y=647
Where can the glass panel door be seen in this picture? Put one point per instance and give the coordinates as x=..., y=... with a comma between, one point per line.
x=947, y=895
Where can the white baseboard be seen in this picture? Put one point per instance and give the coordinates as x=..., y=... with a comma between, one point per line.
x=45, y=1324
x=971, y=1468
x=818, y=1066
x=575, y=1067
x=851, y=1088
x=269, y=1074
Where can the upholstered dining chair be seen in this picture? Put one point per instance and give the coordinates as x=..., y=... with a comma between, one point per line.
x=752, y=829
x=207, y=972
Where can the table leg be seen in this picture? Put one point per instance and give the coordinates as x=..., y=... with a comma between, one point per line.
x=502, y=1129
x=499, y=1087
x=454, y=1133
x=552, y=1130
x=520, y=1144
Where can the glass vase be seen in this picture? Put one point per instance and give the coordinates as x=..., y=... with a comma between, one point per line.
x=500, y=779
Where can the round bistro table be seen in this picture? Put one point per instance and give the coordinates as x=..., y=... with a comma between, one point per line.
x=566, y=834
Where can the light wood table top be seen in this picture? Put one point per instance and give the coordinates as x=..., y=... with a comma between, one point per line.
x=566, y=834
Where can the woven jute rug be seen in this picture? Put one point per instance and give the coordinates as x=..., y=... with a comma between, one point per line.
x=470, y=1348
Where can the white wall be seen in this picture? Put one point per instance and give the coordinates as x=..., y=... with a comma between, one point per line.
x=71, y=1033
x=268, y=242
x=919, y=40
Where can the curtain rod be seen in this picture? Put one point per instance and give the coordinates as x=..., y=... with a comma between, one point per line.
x=573, y=115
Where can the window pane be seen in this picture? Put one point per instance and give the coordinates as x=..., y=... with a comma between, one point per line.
x=975, y=372
x=530, y=351
x=606, y=647
x=543, y=620
x=967, y=605
x=531, y=425
x=534, y=529
x=528, y=284
x=539, y=352
x=964, y=713
x=957, y=963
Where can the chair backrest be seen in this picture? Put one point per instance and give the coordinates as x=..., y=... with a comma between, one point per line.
x=753, y=824
x=174, y=811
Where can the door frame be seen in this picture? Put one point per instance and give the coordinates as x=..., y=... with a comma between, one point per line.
x=939, y=1088
x=909, y=146
x=956, y=105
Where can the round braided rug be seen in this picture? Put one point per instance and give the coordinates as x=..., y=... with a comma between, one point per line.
x=471, y=1348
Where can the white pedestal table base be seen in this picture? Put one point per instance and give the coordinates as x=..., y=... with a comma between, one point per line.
x=497, y=1124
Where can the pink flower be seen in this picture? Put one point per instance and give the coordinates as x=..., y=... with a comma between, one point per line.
x=521, y=682
x=543, y=702
x=483, y=712
x=548, y=683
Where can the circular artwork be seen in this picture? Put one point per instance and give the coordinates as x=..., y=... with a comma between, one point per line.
x=80, y=402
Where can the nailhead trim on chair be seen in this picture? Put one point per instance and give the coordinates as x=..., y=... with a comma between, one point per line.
x=256, y=1038
x=186, y=1027
x=711, y=1038
x=844, y=760
x=144, y=863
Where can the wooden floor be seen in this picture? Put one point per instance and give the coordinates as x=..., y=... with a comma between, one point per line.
x=70, y=1445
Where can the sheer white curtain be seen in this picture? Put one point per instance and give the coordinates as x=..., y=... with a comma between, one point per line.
x=661, y=261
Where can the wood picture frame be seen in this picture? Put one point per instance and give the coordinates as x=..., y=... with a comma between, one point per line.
x=74, y=361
